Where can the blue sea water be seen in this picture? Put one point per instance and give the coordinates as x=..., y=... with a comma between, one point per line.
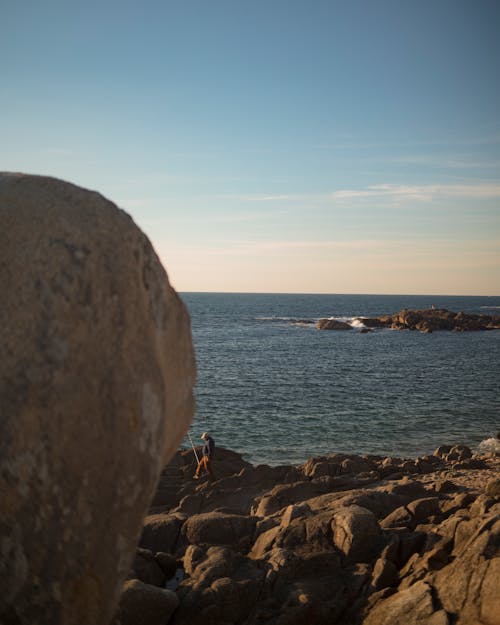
x=279, y=391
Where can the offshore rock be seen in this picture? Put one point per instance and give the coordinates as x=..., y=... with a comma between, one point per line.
x=332, y=324
x=432, y=319
x=97, y=371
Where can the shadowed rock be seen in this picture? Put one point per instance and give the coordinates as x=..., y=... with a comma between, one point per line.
x=143, y=604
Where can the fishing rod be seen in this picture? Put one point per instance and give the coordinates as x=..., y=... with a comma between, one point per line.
x=195, y=454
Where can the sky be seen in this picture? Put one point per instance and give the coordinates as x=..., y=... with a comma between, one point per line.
x=312, y=146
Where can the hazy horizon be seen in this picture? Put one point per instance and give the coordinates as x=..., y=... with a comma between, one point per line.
x=333, y=294
x=278, y=146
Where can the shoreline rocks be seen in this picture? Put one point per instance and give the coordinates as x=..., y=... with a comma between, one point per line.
x=341, y=539
x=426, y=321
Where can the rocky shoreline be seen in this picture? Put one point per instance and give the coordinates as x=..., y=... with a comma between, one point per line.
x=427, y=321
x=341, y=539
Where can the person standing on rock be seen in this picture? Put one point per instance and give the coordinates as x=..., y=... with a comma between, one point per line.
x=207, y=457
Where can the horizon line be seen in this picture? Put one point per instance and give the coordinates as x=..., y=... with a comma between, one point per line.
x=331, y=294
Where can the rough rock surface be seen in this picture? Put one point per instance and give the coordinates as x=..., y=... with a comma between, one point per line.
x=97, y=371
x=341, y=539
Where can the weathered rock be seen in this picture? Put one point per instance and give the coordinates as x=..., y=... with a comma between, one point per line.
x=223, y=588
x=217, y=528
x=481, y=505
x=493, y=488
x=142, y=604
x=469, y=463
x=97, y=372
x=424, y=466
x=413, y=606
x=161, y=531
x=442, y=451
x=285, y=494
x=293, y=512
x=264, y=543
x=468, y=586
x=385, y=574
x=422, y=509
x=356, y=464
x=400, y=517
x=356, y=533
x=459, y=452
x=445, y=486
x=317, y=467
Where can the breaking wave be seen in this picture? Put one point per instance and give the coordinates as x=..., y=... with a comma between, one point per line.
x=490, y=445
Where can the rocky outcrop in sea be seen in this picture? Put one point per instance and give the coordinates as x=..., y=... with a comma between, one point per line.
x=427, y=321
x=342, y=539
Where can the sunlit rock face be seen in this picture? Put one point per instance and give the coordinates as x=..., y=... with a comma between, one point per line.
x=97, y=373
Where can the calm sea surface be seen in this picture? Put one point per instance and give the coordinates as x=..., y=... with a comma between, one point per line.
x=279, y=391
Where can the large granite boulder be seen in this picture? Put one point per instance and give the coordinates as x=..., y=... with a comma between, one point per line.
x=97, y=371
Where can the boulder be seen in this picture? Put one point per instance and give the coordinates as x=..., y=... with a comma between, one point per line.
x=423, y=509
x=459, y=452
x=161, y=531
x=217, y=528
x=224, y=587
x=356, y=533
x=385, y=574
x=318, y=467
x=264, y=543
x=97, y=371
x=412, y=606
x=468, y=587
x=493, y=488
x=283, y=495
x=294, y=512
x=401, y=517
x=356, y=464
x=142, y=604
x=442, y=451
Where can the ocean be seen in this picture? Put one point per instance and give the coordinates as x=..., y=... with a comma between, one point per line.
x=275, y=389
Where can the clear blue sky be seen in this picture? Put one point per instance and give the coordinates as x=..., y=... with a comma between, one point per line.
x=272, y=145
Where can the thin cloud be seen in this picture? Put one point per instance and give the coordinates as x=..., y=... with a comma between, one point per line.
x=268, y=198
x=420, y=192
